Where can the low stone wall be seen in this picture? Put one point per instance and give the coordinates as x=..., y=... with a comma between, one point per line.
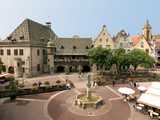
x=20, y=92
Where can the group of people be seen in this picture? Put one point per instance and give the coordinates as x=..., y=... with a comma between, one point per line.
x=132, y=83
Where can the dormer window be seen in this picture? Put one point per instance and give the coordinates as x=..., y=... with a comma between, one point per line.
x=62, y=47
x=13, y=40
x=74, y=47
x=9, y=37
x=21, y=37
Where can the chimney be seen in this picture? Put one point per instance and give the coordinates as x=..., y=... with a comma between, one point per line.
x=48, y=24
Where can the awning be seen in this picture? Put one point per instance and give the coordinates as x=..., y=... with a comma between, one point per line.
x=153, y=91
x=150, y=100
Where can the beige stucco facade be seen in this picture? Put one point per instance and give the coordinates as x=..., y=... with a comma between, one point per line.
x=104, y=39
x=143, y=45
x=39, y=50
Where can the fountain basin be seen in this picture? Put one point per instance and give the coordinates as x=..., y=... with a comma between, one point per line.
x=92, y=102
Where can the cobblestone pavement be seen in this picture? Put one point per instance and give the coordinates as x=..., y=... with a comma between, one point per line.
x=47, y=105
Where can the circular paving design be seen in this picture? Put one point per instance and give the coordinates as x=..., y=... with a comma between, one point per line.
x=62, y=107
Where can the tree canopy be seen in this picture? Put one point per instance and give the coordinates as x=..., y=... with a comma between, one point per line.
x=105, y=58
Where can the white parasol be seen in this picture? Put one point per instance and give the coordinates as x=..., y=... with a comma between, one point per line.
x=126, y=91
x=142, y=88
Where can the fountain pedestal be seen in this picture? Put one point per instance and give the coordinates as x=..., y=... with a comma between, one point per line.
x=88, y=100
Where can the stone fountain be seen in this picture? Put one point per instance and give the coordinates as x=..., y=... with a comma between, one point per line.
x=88, y=100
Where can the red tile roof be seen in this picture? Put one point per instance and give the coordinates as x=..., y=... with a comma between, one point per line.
x=135, y=39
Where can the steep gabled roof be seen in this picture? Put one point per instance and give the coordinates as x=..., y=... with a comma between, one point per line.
x=157, y=43
x=32, y=32
x=103, y=30
x=135, y=39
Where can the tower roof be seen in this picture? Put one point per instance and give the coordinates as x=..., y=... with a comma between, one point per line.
x=147, y=25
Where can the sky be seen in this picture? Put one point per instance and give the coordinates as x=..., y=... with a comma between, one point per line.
x=81, y=17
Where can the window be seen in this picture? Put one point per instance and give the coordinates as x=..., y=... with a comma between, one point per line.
x=18, y=64
x=147, y=50
x=38, y=67
x=38, y=52
x=15, y=52
x=74, y=47
x=21, y=52
x=23, y=69
x=44, y=52
x=8, y=52
x=9, y=37
x=21, y=37
x=142, y=44
x=73, y=57
x=92, y=46
x=103, y=33
x=121, y=45
x=1, y=52
x=87, y=47
x=100, y=40
x=62, y=47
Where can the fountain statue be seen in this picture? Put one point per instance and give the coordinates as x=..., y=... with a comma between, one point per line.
x=88, y=100
x=89, y=87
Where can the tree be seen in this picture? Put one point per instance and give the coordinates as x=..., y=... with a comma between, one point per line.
x=139, y=57
x=2, y=67
x=120, y=59
x=13, y=87
x=102, y=57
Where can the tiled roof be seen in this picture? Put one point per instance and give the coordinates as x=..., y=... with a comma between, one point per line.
x=67, y=45
x=135, y=39
x=31, y=31
x=157, y=43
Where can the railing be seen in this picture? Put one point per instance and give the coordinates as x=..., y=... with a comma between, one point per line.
x=71, y=60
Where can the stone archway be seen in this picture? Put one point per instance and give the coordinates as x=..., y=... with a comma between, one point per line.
x=11, y=69
x=86, y=68
x=60, y=69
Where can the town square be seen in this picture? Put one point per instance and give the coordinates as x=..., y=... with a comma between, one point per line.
x=79, y=60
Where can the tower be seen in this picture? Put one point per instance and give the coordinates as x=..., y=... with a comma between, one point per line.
x=50, y=51
x=50, y=56
x=147, y=33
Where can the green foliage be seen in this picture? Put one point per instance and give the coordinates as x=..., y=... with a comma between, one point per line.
x=139, y=57
x=101, y=57
x=105, y=58
x=121, y=59
x=13, y=87
x=2, y=67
